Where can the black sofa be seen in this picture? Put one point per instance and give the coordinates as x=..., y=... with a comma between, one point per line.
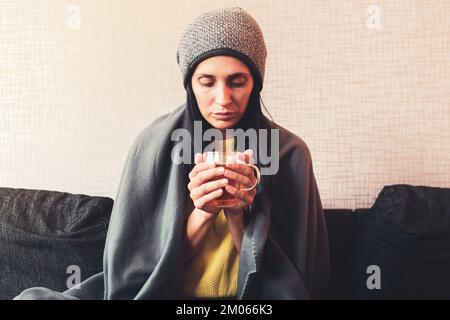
x=46, y=236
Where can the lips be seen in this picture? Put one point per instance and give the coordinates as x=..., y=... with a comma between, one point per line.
x=223, y=115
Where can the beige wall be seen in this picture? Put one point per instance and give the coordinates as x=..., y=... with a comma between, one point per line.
x=369, y=92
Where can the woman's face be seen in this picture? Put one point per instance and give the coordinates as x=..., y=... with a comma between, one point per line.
x=222, y=86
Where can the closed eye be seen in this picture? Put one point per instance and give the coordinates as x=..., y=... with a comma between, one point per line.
x=238, y=81
x=234, y=81
x=207, y=84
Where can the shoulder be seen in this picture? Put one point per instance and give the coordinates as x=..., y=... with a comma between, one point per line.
x=163, y=123
x=295, y=165
x=291, y=146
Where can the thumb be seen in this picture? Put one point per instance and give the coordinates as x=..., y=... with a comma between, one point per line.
x=249, y=152
x=198, y=158
x=249, y=155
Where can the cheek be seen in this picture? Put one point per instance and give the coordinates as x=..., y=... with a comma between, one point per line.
x=204, y=101
x=242, y=98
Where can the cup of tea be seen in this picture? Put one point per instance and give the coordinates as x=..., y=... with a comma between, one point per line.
x=221, y=159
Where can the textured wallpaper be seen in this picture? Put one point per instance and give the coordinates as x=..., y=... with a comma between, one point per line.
x=365, y=84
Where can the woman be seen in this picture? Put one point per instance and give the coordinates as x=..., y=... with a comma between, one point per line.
x=166, y=240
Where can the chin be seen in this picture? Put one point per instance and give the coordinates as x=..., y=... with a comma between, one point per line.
x=222, y=125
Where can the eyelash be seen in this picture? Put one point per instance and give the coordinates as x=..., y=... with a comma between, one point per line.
x=235, y=85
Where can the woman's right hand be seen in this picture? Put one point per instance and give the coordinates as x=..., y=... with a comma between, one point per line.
x=205, y=185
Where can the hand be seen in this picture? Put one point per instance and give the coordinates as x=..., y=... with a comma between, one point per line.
x=244, y=175
x=205, y=186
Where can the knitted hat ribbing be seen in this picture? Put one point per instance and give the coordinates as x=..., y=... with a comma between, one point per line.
x=230, y=31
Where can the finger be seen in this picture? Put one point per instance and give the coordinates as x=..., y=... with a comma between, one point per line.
x=245, y=197
x=246, y=156
x=198, y=158
x=240, y=178
x=242, y=169
x=208, y=187
x=240, y=158
x=249, y=156
x=205, y=176
x=201, y=202
x=200, y=167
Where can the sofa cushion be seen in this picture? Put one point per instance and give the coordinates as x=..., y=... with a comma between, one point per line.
x=403, y=245
x=47, y=237
x=341, y=230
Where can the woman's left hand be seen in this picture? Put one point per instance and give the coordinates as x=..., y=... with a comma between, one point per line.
x=243, y=175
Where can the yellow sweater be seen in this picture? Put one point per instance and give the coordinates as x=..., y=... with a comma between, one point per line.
x=213, y=271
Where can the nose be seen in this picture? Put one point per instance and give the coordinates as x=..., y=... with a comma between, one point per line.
x=223, y=95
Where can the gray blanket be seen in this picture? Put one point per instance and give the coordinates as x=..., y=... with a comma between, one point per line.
x=284, y=252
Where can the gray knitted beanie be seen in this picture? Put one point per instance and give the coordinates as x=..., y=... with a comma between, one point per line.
x=231, y=32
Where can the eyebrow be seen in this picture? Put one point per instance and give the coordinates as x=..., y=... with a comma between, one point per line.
x=234, y=75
